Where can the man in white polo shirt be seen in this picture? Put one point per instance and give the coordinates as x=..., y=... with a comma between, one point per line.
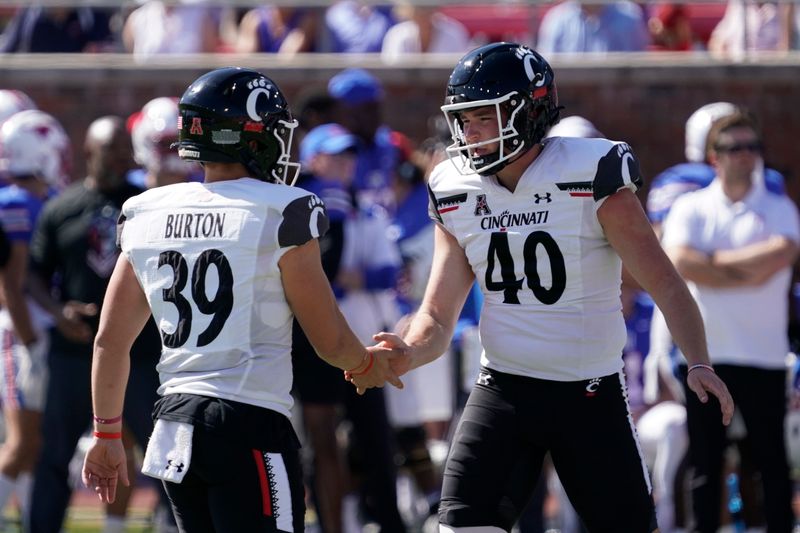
x=735, y=243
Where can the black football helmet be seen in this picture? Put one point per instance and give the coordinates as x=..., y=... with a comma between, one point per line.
x=520, y=84
x=238, y=115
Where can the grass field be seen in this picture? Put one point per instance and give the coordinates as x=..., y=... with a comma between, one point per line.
x=86, y=515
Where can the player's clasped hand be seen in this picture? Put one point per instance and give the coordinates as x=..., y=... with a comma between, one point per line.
x=104, y=465
x=375, y=371
x=702, y=381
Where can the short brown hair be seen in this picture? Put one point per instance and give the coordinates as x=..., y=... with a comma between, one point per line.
x=741, y=118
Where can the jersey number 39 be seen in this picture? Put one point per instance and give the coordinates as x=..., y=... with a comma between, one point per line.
x=219, y=306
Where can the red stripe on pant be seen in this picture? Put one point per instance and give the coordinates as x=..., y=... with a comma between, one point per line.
x=266, y=495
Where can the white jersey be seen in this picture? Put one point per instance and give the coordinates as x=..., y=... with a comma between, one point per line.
x=206, y=256
x=744, y=325
x=550, y=279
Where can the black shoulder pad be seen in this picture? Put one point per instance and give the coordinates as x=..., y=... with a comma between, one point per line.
x=615, y=170
x=120, y=226
x=303, y=219
x=433, y=208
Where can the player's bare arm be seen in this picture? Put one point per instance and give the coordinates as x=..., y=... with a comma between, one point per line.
x=310, y=296
x=125, y=312
x=429, y=333
x=629, y=233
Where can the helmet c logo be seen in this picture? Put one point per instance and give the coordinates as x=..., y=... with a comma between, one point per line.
x=252, y=99
x=626, y=157
x=626, y=169
x=527, y=60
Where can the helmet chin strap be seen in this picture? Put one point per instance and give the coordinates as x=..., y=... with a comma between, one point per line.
x=503, y=164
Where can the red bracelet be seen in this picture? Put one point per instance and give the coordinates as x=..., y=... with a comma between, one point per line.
x=104, y=435
x=366, y=369
x=107, y=420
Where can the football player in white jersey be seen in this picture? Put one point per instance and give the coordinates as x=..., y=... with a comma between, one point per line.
x=222, y=266
x=543, y=225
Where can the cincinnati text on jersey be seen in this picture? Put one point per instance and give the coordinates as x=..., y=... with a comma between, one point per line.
x=194, y=226
x=510, y=220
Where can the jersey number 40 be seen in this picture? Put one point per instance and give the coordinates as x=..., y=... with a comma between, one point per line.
x=510, y=285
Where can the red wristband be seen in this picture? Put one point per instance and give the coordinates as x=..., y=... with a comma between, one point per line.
x=366, y=369
x=104, y=435
x=107, y=420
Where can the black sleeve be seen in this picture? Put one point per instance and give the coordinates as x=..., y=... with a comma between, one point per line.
x=5, y=248
x=433, y=208
x=303, y=219
x=617, y=169
x=331, y=246
x=120, y=226
x=43, y=245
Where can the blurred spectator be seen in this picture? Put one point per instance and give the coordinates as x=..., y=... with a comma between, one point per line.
x=73, y=252
x=160, y=28
x=360, y=104
x=735, y=243
x=328, y=159
x=153, y=130
x=286, y=30
x=420, y=413
x=575, y=27
x=749, y=26
x=411, y=228
x=58, y=29
x=664, y=363
x=362, y=265
x=670, y=28
x=697, y=172
x=356, y=27
x=12, y=102
x=423, y=29
x=315, y=109
x=36, y=158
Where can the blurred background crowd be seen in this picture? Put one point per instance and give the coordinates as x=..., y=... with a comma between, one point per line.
x=148, y=27
x=83, y=131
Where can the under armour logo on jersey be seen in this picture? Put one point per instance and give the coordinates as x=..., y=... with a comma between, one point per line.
x=592, y=386
x=481, y=207
x=543, y=197
x=178, y=467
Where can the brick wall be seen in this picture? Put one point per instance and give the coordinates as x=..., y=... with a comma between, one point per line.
x=631, y=98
